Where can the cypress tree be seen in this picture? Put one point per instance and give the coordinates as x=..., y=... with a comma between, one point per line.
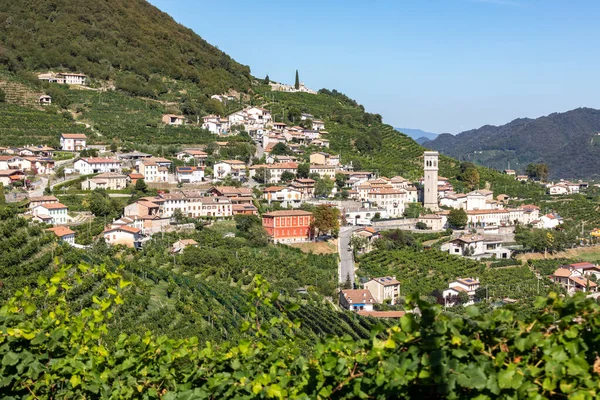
x=2, y=195
x=267, y=80
x=297, y=83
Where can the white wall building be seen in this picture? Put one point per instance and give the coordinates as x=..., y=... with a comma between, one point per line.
x=85, y=166
x=387, y=287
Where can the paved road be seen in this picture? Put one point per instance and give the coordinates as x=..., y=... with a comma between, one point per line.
x=41, y=185
x=346, y=266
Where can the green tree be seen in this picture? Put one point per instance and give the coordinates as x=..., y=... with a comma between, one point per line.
x=469, y=175
x=303, y=170
x=100, y=204
x=262, y=175
x=60, y=172
x=2, y=194
x=413, y=210
x=458, y=218
x=287, y=176
x=340, y=180
x=294, y=114
x=267, y=80
x=297, y=81
x=323, y=187
x=114, y=147
x=326, y=220
x=2, y=96
x=141, y=186
x=421, y=225
x=280, y=149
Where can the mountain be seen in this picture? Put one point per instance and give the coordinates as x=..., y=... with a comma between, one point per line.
x=418, y=135
x=568, y=142
x=105, y=39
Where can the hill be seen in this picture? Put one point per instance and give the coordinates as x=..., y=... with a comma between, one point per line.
x=567, y=142
x=418, y=135
x=115, y=39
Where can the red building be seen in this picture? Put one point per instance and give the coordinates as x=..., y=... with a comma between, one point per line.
x=288, y=226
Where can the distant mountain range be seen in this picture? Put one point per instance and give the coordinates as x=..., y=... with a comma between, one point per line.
x=568, y=142
x=418, y=135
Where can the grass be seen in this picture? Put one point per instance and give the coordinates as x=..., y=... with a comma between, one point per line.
x=590, y=254
x=316, y=247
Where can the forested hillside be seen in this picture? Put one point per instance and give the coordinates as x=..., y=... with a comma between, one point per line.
x=568, y=142
x=106, y=38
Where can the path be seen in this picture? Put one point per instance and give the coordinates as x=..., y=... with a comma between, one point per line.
x=346, y=265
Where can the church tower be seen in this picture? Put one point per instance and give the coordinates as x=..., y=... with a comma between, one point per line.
x=430, y=187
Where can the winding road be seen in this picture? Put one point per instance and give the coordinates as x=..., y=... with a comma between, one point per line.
x=346, y=264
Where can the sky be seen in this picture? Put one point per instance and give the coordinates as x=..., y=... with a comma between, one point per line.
x=437, y=65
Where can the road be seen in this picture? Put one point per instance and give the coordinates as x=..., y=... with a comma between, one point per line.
x=43, y=183
x=346, y=265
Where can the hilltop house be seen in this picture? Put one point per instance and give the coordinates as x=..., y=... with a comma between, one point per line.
x=8, y=177
x=467, y=285
x=387, y=287
x=357, y=300
x=155, y=169
x=73, y=141
x=172, y=119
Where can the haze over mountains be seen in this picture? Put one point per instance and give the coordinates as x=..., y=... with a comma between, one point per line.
x=419, y=136
x=568, y=142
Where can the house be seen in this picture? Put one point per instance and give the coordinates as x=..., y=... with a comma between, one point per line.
x=305, y=116
x=477, y=246
x=522, y=178
x=70, y=78
x=245, y=209
x=458, y=200
x=73, y=141
x=550, y=221
x=106, y=180
x=392, y=200
x=559, y=189
x=362, y=216
x=288, y=196
x=433, y=221
x=41, y=200
x=134, y=177
x=320, y=142
x=386, y=287
x=237, y=195
x=52, y=213
x=318, y=125
x=189, y=174
x=234, y=168
x=197, y=155
x=8, y=177
x=467, y=285
x=304, y=185
x=95, y=165
x=370, y=235
x=181, y=244
x=288, y=226
x=45, y=100
x=123, y=235
x=172, y=119
x=133, y=156
x=357, y=299
x=275, y=171
x=510, y=172
x=585, y=269
x=503, y=198
x=215, y=124
x=324, y=171
x=322, y=158
x=153, y=171
x=63, y=233
x=573, y=280
x=279, y=126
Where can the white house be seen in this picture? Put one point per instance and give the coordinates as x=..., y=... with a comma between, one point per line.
x=324, y=171
x=573, y=280
x=466, y=285
x=85, y=166
x=559, y=189
x=153, y=171
x=433, y=221
x=476, y=246
x=191, y=154
x=73, y=141
x=364, y=215
x=172, y=119
x=275, y=171
x=52, y=213
x=318, y=125
x=124, y=235
x=72, y=78
x=392, y=200
x=106, y=180
x=550, y=221
x=63, y=233
x=387, y=287
x=189, y=174
x=288, y=196
x=36, y=201
x=357, y=300
x=215, y=124
x=234, y=168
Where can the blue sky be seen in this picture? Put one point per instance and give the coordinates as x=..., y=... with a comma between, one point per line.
x=437, y=65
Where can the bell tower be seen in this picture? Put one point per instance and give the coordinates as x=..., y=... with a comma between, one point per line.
x=430, y=186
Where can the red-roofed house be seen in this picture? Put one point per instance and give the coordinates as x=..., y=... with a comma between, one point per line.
x=464, y=285
x=63, y=233
x=52, y=213
x=386, y=287
x=125, y=235
x=73, y=141
x=96, y=165
x=573, y=281
x=357, y=300
x=288, y=226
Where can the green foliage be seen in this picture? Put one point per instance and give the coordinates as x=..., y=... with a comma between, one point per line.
x=457, y=218
x=413, y=210
x=141, y=186
x=435, y=355
x=326, y=219
x=2, y=96
x=2, y=195
x=323, y=187
x=262, y=175
x=297, y=81
x=537, y=172
x=469, y=175
x=544, y=239
x=287, y=176
x=421, y=225
x=281, y=149
x=303, y=170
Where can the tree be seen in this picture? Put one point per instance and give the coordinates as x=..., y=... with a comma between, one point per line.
x=469, y=175
x=100, y=204
x=347, y=283
x=303, y=170
x=60, y=172
x=297, y=81
x=421, y=225
x=287, y=176
x=457, y=218
x=243, y=222
x=294, y=114
x=267, y=80
x=114, y=147
x=340, y=180
x=2, y=194
x=413, y=210
x=326, y=219
x=2, y=96
x=358, y=243
x=140, y=185
x=280, y=149
x=537, y=171
x=323, y=187
x=262, y=175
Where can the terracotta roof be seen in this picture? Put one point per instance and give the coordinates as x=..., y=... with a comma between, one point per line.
x=381, y=314
x=358, y=296
x=430, y=216
x=562, y=272
x=136, y=176
x=580, y=280
x=126, y=228
x=582, y=265
x=61, y=231
x=271, y=189
x=287, y=213
x=9, y=172
x=98, y=160
x=243, y=207
x=74, y=136
x=53, y=206
x=43, y=198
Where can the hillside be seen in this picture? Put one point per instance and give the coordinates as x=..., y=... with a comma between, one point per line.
x=418, y=135
x=567, y=142
x=104, y=39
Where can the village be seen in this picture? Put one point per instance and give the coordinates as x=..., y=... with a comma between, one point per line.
x=296, y=168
